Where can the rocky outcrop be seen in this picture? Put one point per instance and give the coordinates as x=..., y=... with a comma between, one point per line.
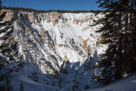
x=32, y=17
x=8, y=16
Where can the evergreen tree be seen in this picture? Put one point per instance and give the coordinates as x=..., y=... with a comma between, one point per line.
x=118, y=28
x=3, y=14
x=21, y=87
x=8, y=86
x=0, y=3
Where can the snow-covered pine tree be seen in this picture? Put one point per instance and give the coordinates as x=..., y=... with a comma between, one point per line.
x=116, y=32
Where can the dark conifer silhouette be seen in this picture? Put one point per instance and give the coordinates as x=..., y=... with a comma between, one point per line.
x=21, y=87
x=118, y=32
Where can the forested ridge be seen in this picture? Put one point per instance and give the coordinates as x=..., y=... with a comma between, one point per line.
x=47, y=11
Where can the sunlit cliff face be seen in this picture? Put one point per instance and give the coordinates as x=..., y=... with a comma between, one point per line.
x=51, y=48
x=55, y=37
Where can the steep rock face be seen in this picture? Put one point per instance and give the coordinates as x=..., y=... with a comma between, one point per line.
x=9, y=15
x=53, y=37
x=57, y=43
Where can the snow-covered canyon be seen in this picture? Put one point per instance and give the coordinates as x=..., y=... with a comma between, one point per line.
x=52, y=51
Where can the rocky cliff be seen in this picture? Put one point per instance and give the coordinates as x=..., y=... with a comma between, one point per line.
x=55, y=49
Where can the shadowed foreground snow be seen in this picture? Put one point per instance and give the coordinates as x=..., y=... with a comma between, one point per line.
x=30, y=85
x=126, y=84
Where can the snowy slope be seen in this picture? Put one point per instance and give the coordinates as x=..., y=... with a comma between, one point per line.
x=30, y=85
x=126, y=84
x=52, y=50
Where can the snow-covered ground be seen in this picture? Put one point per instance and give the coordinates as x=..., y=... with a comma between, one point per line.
x=29, y=85
x=125, y=84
